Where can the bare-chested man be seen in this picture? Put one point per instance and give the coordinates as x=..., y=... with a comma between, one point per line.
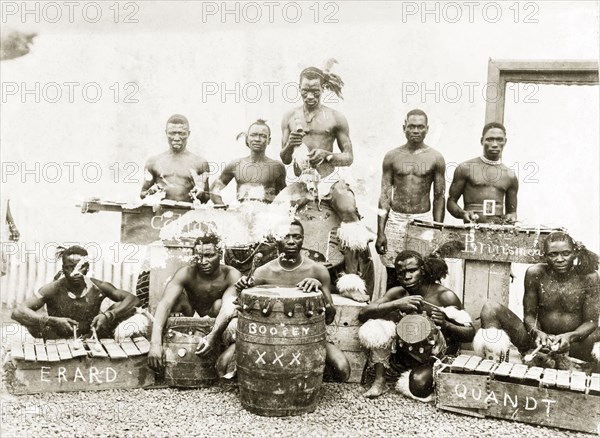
x=294, y=269
x=488, y=187
x=257, y=176
x=420, y=290
x=308, y=135
x=409, y=173
x=180, y=174
x=206, y=287
x=73, y=301
x=561, y=305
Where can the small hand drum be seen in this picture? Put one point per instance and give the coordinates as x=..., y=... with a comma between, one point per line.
x=419, y=335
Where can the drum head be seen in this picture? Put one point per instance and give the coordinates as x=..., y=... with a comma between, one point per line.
x=278, y=292
x=413, y=329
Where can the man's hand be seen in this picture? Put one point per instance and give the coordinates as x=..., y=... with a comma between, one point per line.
x=470, y=216
x=542, y=339
x=310, y=285
x=196, y=192
x=317, y=156
x=100, y=321
x=381, y=244
x=329, y=313
x=244, y=283
x=206, y=345
x=64, y=326
x=438, y=317
x=156, y=357
x=295, y=139
x=155, y=188
x=561, y=343
x=411, y=303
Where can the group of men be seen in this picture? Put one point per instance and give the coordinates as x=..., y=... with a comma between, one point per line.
x=561, y=296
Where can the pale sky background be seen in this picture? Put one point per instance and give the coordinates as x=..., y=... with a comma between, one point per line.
x=172, y=56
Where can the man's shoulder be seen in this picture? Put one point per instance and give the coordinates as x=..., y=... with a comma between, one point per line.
x=52, y=288
x=194, y=158
x=537, y=269
x=230, y=271
x=470, y=162
x=290, y=112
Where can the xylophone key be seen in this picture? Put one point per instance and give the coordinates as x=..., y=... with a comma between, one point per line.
x=563, y=379
x=549, y=377
x=95, y=348
x=40, y=350
x=52, y=351
x=518, y=371
x=129, y=347
x=472, y=363
x=503, y=369
x=459, y=363
x=63, y=349
x=595, y=383
x=142, y=344
x=578, y=381
x=16, y=350
x=77, y=348
x=534, y=373
x=29, y=352
x=113, y=349
x=486, y=366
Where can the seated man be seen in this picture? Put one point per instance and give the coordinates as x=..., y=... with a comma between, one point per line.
x=73, y=301
x=294, y=269
x=257, y=176
x=420, y=291
x=206, y=287
x=560, y=306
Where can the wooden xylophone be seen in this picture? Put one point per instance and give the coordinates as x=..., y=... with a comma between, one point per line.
x=482, y=388
x=62, y=365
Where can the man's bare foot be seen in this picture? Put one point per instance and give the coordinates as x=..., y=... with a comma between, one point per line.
x=378, y=388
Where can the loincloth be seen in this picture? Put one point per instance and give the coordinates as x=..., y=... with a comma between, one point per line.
x=323, y=185
x=395, y=233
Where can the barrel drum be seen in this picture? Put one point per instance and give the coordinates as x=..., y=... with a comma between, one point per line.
x=280, y=350
x=184, y=368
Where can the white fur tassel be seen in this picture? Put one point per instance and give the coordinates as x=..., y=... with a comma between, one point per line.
x=351, y=282
x=138, y=324
x=354, y=235
x=491, y=343
x=596, y=351
x=300, y=157
x=377, y=333
x=402, y=386
x=458, y=316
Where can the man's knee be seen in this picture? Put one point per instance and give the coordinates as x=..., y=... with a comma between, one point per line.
x=336, y=359
x=421, y=381
x=491, y=311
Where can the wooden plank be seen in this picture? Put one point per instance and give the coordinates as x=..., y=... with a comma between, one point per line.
x=486, y=366
x=95, y=348
x=534, y=374
x=563, y=379
x=472, y=363
x=498, y=283
x=476, y=283
x=518, y=371
x=52, y=351
x=500, y=243
x=16, y=350
x=142, y=344
x=113, y=349
x=29, y=351
x=40, y=350
x=64, y=352
x=594, y=383
x=459, y=363
x=129, y=348
x=451, y=387
x=578, y=381
x=503, y=369
x=77, y=348
x=549, y=377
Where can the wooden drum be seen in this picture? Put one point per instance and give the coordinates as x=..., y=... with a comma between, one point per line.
x=280, y=350
x=184, y=368
x=420, y=337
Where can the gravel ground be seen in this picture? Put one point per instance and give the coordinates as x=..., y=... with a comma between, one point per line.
x=216, y=412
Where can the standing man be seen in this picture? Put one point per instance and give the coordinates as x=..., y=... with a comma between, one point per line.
x=561, y=305
x=409, y=173
x=257, y=176
x=206, y=287
x=489, y=188
x=308, y=135
x=294, y=269
x=73, y=301
x=180, y=174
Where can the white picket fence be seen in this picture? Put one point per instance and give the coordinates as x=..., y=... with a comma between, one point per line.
x=26, y=273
